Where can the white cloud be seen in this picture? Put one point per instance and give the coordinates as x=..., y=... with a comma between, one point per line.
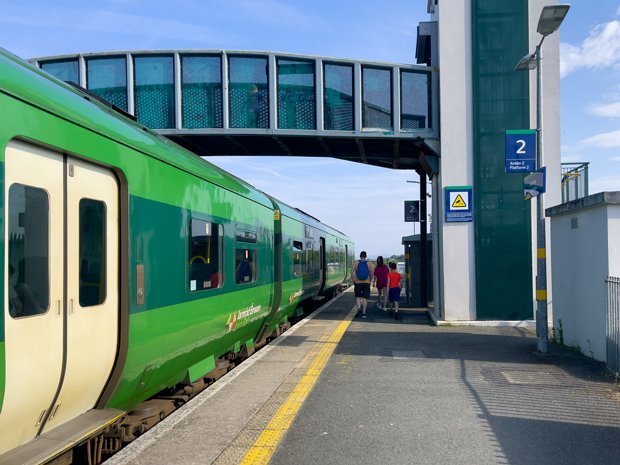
x=605, y=110
x=605, y=140
x=601, y=49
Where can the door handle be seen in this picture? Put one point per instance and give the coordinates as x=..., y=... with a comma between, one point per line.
x=59, y=311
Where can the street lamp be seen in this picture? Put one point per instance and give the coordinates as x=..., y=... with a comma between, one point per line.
x=550, y=19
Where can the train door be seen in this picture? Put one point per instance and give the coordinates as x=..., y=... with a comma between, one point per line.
x=61, y=304
x=323, y=264
x=347, y=266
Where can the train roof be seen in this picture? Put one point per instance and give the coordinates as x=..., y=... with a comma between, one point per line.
x=306, y=218
x=28, y=83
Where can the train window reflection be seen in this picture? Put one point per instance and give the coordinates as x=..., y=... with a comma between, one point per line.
x=92, y=252
x=245, y=265
x=28, y=270
x=206, y=243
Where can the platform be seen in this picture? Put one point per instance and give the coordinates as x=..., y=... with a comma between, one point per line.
x=345, y=390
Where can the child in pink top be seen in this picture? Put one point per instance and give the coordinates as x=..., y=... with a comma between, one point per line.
x=380, y=282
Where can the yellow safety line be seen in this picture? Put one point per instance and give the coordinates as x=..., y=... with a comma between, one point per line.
x=267, y=442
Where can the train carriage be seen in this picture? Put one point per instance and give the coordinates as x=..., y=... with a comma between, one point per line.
x=130, y=267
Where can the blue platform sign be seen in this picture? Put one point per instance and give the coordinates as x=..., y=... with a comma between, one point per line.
x=521, y=151
x=459, y=203
x=412, y=211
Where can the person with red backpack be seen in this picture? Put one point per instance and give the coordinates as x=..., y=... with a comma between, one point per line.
x=362, y=276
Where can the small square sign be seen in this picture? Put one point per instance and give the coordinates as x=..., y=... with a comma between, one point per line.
x=459, y=204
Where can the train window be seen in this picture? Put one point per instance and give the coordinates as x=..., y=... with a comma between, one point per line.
x=245, y=265
x=206, y=243
x=28, y=271
x=92, y=252
x=298, y=254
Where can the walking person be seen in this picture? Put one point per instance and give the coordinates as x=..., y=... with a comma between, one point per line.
x=380, y=282
x=362, y=276
x=394, y=279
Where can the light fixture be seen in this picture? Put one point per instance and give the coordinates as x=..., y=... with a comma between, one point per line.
x=551, y=17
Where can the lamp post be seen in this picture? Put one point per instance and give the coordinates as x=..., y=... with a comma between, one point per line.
x=550, y=19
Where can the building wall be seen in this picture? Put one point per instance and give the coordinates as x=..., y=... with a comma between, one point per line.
x=584, y=253
x=455, y=95
x=486, y=266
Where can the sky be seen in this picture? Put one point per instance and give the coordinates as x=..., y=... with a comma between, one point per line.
x=364, y=202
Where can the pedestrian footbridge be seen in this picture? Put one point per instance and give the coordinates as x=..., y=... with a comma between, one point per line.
x=219, y=102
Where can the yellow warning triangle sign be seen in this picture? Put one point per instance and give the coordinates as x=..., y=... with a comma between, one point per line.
x=459, y=202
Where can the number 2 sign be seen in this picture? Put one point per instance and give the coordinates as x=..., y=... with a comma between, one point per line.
x=521, y=151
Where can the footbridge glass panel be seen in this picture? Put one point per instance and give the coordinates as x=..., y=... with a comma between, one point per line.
x=65, y=70
x=377, y=98
x=154, y=91
x=296, y=101
x=107, y=78
x=415, y=100
x=338, y=97
x=248, y=92
x=226, y=102
x=201, y=89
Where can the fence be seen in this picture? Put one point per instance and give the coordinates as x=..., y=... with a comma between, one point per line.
x=574, y=181
x=613, y=324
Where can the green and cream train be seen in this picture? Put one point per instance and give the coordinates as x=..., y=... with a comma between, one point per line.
x=131, y=267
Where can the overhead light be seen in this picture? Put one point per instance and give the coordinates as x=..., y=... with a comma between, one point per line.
x=528, y=62
x=551, y=17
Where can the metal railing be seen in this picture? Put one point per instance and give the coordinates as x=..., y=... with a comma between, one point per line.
x=574, y=181
x=613, y=324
